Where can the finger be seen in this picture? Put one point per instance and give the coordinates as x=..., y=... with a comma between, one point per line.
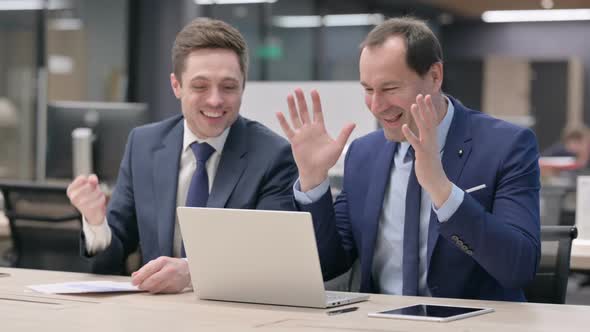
x=285, y=125
x=156, y=283
x=293, y=112
x=79, y=194
x=93, y=179
x=415, y=110
x=425, y=112
x=431, y=115
x=89, y=201
x=147, y=270
x=172, y=278
x=79, y=181
x=93, y=203
x=302, y=104
x=426, y=116
x=318, y=115
x=411, y=137
x=344, y=135
x=85, y=192
x=421, y=106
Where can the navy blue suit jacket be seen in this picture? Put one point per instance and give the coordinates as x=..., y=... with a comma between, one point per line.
x=490, y=247
x=256, y=171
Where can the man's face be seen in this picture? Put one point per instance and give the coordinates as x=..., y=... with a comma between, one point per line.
x=391, y=86
x=210, y=91
x=577, y=146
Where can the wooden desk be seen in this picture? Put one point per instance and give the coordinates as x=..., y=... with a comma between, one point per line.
x=23, y=310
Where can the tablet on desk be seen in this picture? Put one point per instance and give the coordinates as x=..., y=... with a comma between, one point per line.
x=437, y=313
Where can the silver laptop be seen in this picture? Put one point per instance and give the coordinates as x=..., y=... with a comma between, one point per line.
x=256, y=256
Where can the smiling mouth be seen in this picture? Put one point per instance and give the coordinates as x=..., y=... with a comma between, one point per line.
x=394, y=120
x=212, y=115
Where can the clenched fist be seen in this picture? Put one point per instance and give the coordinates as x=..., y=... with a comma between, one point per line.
x=87, y=196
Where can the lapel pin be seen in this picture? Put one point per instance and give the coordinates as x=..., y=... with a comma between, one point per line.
x=460, y=152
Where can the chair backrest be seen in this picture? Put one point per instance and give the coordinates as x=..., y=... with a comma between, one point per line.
x=44, y=226
x=550, y=283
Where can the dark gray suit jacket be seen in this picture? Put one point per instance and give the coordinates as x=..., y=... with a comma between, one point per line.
x=256, y=171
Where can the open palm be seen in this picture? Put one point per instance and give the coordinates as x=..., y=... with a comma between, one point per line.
x=314, y=150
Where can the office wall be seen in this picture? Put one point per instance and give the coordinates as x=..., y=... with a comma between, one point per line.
x=538, y=41
x=156, y=24
x=105, y=26
x=342, y=103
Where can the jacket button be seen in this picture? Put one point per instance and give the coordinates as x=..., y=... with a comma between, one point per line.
x=455, y=238
x=469, y=252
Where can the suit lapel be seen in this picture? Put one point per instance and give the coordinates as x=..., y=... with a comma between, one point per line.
x=231, y=165
x=373, y=206
x=165, y=177
x=456, y=153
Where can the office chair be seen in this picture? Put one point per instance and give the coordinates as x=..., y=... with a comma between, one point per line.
x=44, y=226
x=550, y=283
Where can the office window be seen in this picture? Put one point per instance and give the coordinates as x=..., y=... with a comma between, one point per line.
x=18, y=73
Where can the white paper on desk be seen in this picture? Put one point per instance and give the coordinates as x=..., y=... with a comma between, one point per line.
x=583, y=208
x=80, y=287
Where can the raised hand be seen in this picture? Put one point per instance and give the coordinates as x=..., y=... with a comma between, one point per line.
x=428, y=165
x=314, y=150
x=85, y=194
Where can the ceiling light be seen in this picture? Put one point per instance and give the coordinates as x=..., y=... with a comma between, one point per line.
x=299, y=21
x=21, y=5
x=352, y=20
x=316, y=21
x=31, y=5
x=540, y=15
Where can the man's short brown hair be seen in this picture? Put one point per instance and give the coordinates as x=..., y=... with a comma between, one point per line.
x=422, y=47
x=203, y=33
x=577, y=132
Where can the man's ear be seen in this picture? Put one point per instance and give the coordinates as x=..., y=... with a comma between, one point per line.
x=176, y=85
x=436, y=74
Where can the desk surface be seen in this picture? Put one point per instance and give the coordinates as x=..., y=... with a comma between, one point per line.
x=23, y=310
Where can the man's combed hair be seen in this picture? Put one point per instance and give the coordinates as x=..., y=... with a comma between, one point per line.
x=422, y=47
x=208, y=33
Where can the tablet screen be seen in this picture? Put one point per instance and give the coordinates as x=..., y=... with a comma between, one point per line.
x=427, y=310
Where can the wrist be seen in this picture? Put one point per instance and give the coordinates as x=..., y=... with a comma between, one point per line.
x=308, y=182
x=440, y=194
x=95, y=220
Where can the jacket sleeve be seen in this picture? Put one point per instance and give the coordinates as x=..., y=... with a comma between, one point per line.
x=276, y=192
x=122, y=221
x=333, y=231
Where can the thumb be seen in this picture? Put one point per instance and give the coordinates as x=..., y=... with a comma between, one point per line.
x=344, y=135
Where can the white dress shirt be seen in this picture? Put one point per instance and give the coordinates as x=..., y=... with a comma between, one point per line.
x=98, y=237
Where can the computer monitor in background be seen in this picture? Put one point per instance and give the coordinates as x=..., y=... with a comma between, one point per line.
x=111, y=124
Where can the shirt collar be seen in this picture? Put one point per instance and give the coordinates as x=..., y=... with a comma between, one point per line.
x=216, y=142
x=441, y=131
